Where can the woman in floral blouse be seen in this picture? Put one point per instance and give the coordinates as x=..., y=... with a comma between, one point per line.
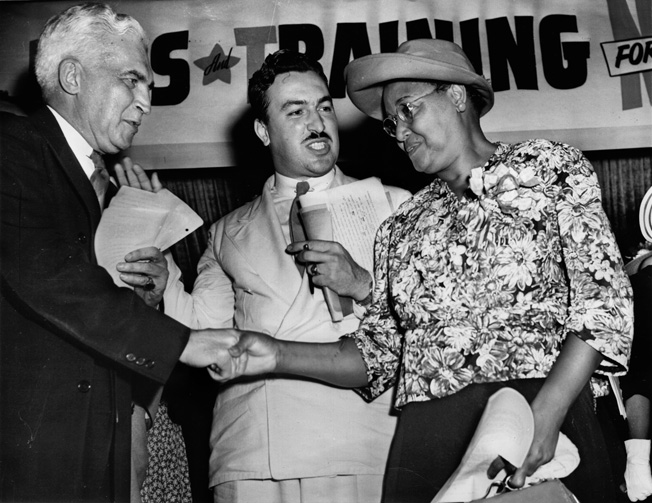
x=502, y=272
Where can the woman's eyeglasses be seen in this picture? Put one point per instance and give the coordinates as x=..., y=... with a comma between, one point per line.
x=404, y=113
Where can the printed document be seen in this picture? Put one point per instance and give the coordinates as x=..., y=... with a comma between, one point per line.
x=137, y=219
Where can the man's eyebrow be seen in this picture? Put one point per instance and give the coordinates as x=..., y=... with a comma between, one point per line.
x=291, y=103
x=139, y=75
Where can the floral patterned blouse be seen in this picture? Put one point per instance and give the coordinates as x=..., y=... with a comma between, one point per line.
x=486, y=288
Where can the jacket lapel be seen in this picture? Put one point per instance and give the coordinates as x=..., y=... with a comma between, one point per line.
x=259, y=238
x=48, y=126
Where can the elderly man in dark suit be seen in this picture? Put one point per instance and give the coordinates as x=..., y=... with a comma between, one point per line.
x=71, y=341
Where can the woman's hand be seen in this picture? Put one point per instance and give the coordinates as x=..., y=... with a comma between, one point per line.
x=547, y=424
x=259, y=351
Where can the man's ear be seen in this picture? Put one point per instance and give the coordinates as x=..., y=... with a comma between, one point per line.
x=70, y=75
x=261, y=131
x=457, y=94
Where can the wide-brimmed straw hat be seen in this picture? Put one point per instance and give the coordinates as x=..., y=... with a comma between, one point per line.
x=645, y=223
x=422, y=59
x=645, y=216
x=634, y=265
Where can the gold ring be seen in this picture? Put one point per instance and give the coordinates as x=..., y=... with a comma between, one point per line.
x=150, y=284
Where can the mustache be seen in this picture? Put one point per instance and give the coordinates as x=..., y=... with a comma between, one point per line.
x=316, y=136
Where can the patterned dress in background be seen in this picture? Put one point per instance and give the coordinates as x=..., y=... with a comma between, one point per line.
x=167, y=479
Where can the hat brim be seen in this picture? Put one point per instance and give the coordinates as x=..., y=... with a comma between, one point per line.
x=366, y=76
x=633, y=266
x=645, y=215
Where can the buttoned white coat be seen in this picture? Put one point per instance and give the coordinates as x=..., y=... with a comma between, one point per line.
x=272, y=426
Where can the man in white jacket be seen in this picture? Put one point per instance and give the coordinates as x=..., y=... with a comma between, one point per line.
x=277, y=439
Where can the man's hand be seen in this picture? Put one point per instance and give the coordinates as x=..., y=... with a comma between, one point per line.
x=210, y=349
x=331, y=266
x=146, y=270
x=133, y=175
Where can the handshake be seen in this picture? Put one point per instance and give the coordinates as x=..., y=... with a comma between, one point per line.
x=230, y=353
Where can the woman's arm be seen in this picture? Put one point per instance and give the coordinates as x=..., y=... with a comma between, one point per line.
x=599, y=320
x=568, y=376
x=339, y=363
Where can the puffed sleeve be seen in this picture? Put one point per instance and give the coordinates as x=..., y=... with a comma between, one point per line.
x=600, y=305
x=378, y=338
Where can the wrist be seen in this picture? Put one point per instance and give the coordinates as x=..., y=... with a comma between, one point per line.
x=367, y=300
x=184, y=356
x=282, y=362
x=365, y=297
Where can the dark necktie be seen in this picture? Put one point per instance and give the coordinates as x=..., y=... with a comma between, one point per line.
x=100, y=177
x=296, y=228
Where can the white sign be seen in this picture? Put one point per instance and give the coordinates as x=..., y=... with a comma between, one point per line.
x=577, y=71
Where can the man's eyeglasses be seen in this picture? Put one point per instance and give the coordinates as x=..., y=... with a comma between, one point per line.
x=404, y=113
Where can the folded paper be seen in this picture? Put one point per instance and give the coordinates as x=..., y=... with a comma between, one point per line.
x=138, y=219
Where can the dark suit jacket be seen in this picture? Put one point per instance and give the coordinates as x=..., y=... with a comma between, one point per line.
x=70, y=340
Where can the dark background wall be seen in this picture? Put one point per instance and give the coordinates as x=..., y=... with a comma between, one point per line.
x=624, y=175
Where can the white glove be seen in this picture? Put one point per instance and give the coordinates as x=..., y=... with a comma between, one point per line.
x=637, y=473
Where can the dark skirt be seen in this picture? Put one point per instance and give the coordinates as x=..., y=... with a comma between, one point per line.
x=638, y=381
x=432, y=437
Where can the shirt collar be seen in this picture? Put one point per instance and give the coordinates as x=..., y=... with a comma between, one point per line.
x=79, y=146
x=284, y=186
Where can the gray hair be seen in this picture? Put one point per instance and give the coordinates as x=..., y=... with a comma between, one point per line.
x=79, y=32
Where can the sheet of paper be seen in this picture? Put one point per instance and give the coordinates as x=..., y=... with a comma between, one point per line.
x=137, y=219
x=614, y=382
x=349, y=214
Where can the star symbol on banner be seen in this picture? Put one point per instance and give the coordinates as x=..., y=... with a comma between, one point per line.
x=216, y=65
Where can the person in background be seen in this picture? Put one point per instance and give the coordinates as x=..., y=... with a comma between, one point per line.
x=501, y=272
x=637, y=384
x=71, y=342
x=280, y=439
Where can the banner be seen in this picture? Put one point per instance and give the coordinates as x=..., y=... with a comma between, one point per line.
x=578, y=71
